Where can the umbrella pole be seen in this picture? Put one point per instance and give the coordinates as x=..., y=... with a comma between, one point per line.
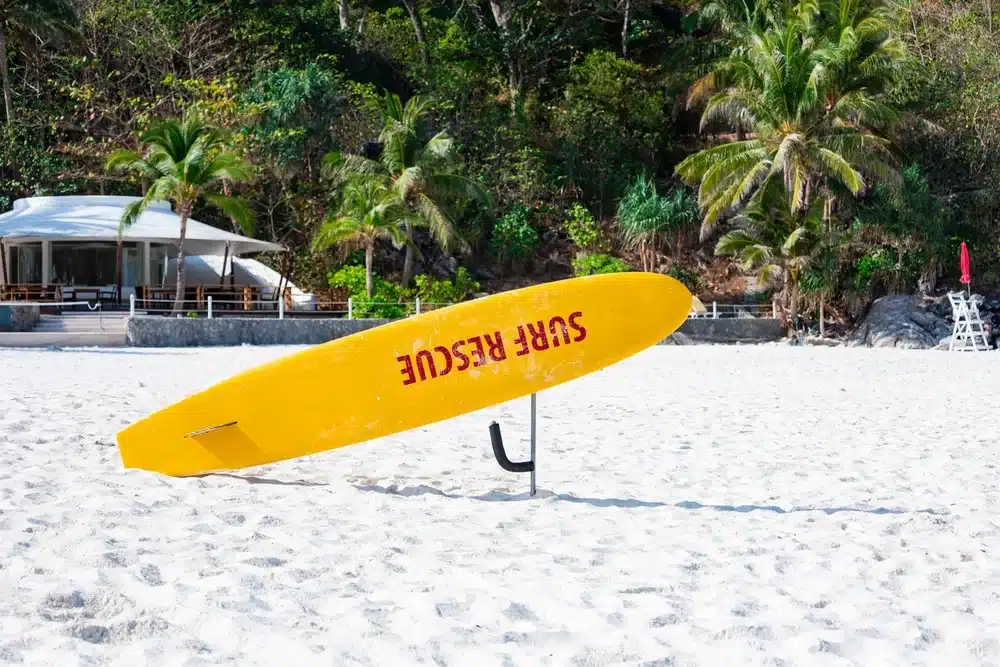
x=225, y=258
x=3, y=261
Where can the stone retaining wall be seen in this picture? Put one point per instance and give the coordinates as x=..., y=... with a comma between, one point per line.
x=731, y=330
x=153, y=331
x=14, y=317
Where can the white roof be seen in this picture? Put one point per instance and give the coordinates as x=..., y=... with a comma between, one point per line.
x=95, y=218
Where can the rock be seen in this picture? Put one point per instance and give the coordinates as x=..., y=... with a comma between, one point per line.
x=446, y=266
x=906, y=322
x=822, y=342
x=677, y=338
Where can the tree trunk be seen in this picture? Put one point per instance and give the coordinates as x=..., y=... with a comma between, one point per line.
x=418, y=29
x=8, y=100
x=793, y=304
x=369, y=260
x=345, y=17
x=928, y=279
x=227, y=190
x=502, y=16
x=185, y=211
x=625, y=26
x=364, y=18
x=822, y=326
x=408, y=259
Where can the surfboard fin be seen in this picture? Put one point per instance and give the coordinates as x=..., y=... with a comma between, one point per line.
x=209, y=429
x=501, y=455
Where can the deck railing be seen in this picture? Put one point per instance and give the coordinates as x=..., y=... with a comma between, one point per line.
x=215, y=307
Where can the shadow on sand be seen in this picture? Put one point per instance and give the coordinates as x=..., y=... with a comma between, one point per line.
x=497, y=496
x=252, y=479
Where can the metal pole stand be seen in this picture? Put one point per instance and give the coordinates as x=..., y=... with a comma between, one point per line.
x=501, y=455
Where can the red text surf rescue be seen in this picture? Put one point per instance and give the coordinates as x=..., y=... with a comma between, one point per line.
x=477, y=351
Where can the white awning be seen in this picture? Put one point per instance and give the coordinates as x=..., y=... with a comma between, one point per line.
x=95, y=218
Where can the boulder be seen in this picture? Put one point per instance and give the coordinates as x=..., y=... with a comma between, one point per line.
x=817, y=341
x=908, y=322
x=677, y=338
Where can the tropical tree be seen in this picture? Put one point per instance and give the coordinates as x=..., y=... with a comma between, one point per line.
x=25, y=21
x=422, y=174
x=805, y=113
x=778, y=243
x=183, y=160
x=369, y=210
x=645, y=217
x=912, y=227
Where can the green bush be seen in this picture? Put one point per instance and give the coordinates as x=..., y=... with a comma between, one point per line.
x=431, y=290
x=391, y=301
x=583, y=230
x=386, y=296
x=591, y=264
x=514, y=240
x=689, y=278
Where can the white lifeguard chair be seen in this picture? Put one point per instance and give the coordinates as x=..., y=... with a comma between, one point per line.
x=967, y=334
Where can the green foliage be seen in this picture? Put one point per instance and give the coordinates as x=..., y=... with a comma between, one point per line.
x=435, y=291
x=538, y=105
x=514, y=239
x=612, y=115
x=770, y=85
x=688, y=277
x=645, y=217
x=292, y=108
x=583, y=230
x=386, y=300
x=389, y=300
x=598, y=263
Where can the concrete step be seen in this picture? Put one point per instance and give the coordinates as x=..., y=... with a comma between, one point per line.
x=84, y=323
x=62, y=339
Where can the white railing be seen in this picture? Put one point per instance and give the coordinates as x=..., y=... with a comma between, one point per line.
x=215, y=307
x=716, y=311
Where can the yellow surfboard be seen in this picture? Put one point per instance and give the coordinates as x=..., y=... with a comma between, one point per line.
x=409, y=373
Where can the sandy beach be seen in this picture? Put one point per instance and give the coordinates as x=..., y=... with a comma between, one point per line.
x=704, y=505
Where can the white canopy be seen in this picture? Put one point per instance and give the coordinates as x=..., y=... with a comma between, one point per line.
x=207, y=270
x=95, y=218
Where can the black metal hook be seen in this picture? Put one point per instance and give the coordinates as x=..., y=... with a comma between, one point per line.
x=501, y=455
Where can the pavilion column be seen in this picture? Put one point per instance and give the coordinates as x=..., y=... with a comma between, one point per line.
x=46, y=262
x=147, y=260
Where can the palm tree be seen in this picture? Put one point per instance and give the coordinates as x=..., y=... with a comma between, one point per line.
x=421, y=173
x=183, y=159
x=24, y=21
x=369, y=210
x=779, y=244
x=808, y=107
x=644, y=218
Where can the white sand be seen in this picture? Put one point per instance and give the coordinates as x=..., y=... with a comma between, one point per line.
x=713, y=506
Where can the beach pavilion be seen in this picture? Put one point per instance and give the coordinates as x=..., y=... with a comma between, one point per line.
x=65, y=248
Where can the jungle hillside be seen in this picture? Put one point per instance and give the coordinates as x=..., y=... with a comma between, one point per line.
x=819, y=153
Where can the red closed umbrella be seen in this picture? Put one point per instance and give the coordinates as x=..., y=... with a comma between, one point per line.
x=964, y=262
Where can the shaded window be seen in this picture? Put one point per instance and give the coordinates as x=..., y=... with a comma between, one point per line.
x=93, y=264
x=26, y=264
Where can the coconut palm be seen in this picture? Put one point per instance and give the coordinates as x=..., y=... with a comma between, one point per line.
x=25, y=21
x=184, y=159
x=369, y=211
x=806, y=106
x=779, y=244
x=422, y=174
